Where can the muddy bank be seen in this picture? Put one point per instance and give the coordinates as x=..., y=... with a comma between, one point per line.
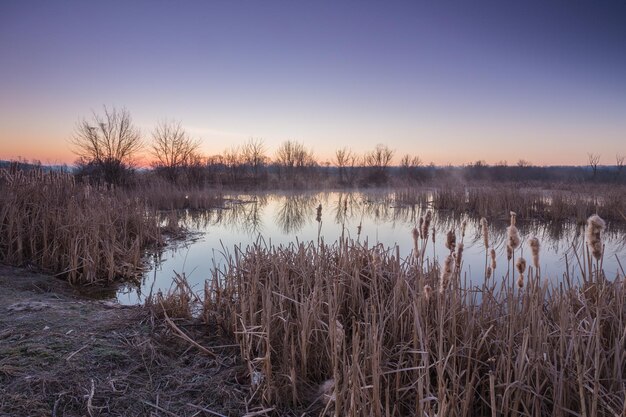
x=62, y=354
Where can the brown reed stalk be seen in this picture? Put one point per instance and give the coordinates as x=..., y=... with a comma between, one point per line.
x=307, y=314
x=85, y=234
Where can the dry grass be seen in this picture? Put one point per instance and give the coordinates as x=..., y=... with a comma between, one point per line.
x=348, y=330
x=163, y=195
x=87, y=235
x=491, y=201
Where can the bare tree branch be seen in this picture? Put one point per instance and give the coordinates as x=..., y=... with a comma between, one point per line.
x=108, y=143
x=173, y=149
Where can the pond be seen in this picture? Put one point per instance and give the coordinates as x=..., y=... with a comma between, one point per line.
x=370, y=218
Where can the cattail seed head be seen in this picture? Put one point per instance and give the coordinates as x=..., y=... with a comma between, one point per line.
x=446, y=273
x=489, y=271
x=428, y=292
x=595, y=226
x=416, y=236
x=426, y=224
x=451, y=240
x=521, y=265
x=513, y=218
x=513, y=236
x=520, y=281
x=509, y=252
x=339, y=334
x=534, y=248
x=493, y=258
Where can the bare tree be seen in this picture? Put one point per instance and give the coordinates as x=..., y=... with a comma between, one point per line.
x=233, y=161
x=293, y=156
x=343, y=158
x=107, y=143
x=409, y=165
x=379, y=160
x=254, y=156
x=594, y=160
x=173, y=149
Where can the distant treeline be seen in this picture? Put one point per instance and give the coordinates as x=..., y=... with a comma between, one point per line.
x=216, y=172
x=109, y=145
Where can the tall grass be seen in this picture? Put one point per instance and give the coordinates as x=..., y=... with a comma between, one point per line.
x=164, y=195
x=85, y=234
x=563, y=203
x=351, y=330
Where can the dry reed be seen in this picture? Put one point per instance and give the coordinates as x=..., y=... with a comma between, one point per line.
x=85, y=234
x=350, y=330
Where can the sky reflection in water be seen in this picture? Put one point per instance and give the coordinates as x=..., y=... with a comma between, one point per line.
x=280, y=219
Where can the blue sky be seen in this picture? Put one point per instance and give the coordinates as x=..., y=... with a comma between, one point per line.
x=450, y=81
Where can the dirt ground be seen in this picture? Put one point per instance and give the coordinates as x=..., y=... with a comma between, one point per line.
x=62, y=354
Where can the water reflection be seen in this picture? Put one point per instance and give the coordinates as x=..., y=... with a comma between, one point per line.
x=384, y=218
x=293, y=212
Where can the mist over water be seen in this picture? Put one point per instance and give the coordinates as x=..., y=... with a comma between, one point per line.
x=283, y=219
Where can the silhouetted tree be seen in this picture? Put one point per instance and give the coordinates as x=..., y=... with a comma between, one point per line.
x=292, y=157
x=107, y=144
x=253, y=154
x=619, y=163
x=173, y=149
x=343, y=158
x=378, y=162
x=410, y=165
x=594, y=160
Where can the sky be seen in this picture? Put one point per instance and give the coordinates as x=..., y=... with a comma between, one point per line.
x=450, y=81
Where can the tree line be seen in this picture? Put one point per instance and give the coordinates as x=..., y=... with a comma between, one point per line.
x=109, y=144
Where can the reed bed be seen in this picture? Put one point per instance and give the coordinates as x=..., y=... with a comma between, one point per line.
x=560, y=204
x=162, y=195
x=352, y=330
x=85, y=234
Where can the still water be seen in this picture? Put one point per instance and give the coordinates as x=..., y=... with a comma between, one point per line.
x=281, y=219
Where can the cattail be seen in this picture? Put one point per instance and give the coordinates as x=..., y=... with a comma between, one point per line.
x=459, y=255
x=428, y=292
x=416, y=236
x=521, y=265
x=446, y=273
x=426, y=224
x=450, y=240
x=493, y=258
x=521, y=268
x=339, y=334
x=513, y=218
x=534, y=247
x=513, y=235
x=434, y=234
x=509, y=252
x=489, y=271
x=485, y=228
x=595, y=226
x=318, y=218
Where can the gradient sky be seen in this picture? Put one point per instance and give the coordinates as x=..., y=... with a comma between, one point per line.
x=450, y=81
